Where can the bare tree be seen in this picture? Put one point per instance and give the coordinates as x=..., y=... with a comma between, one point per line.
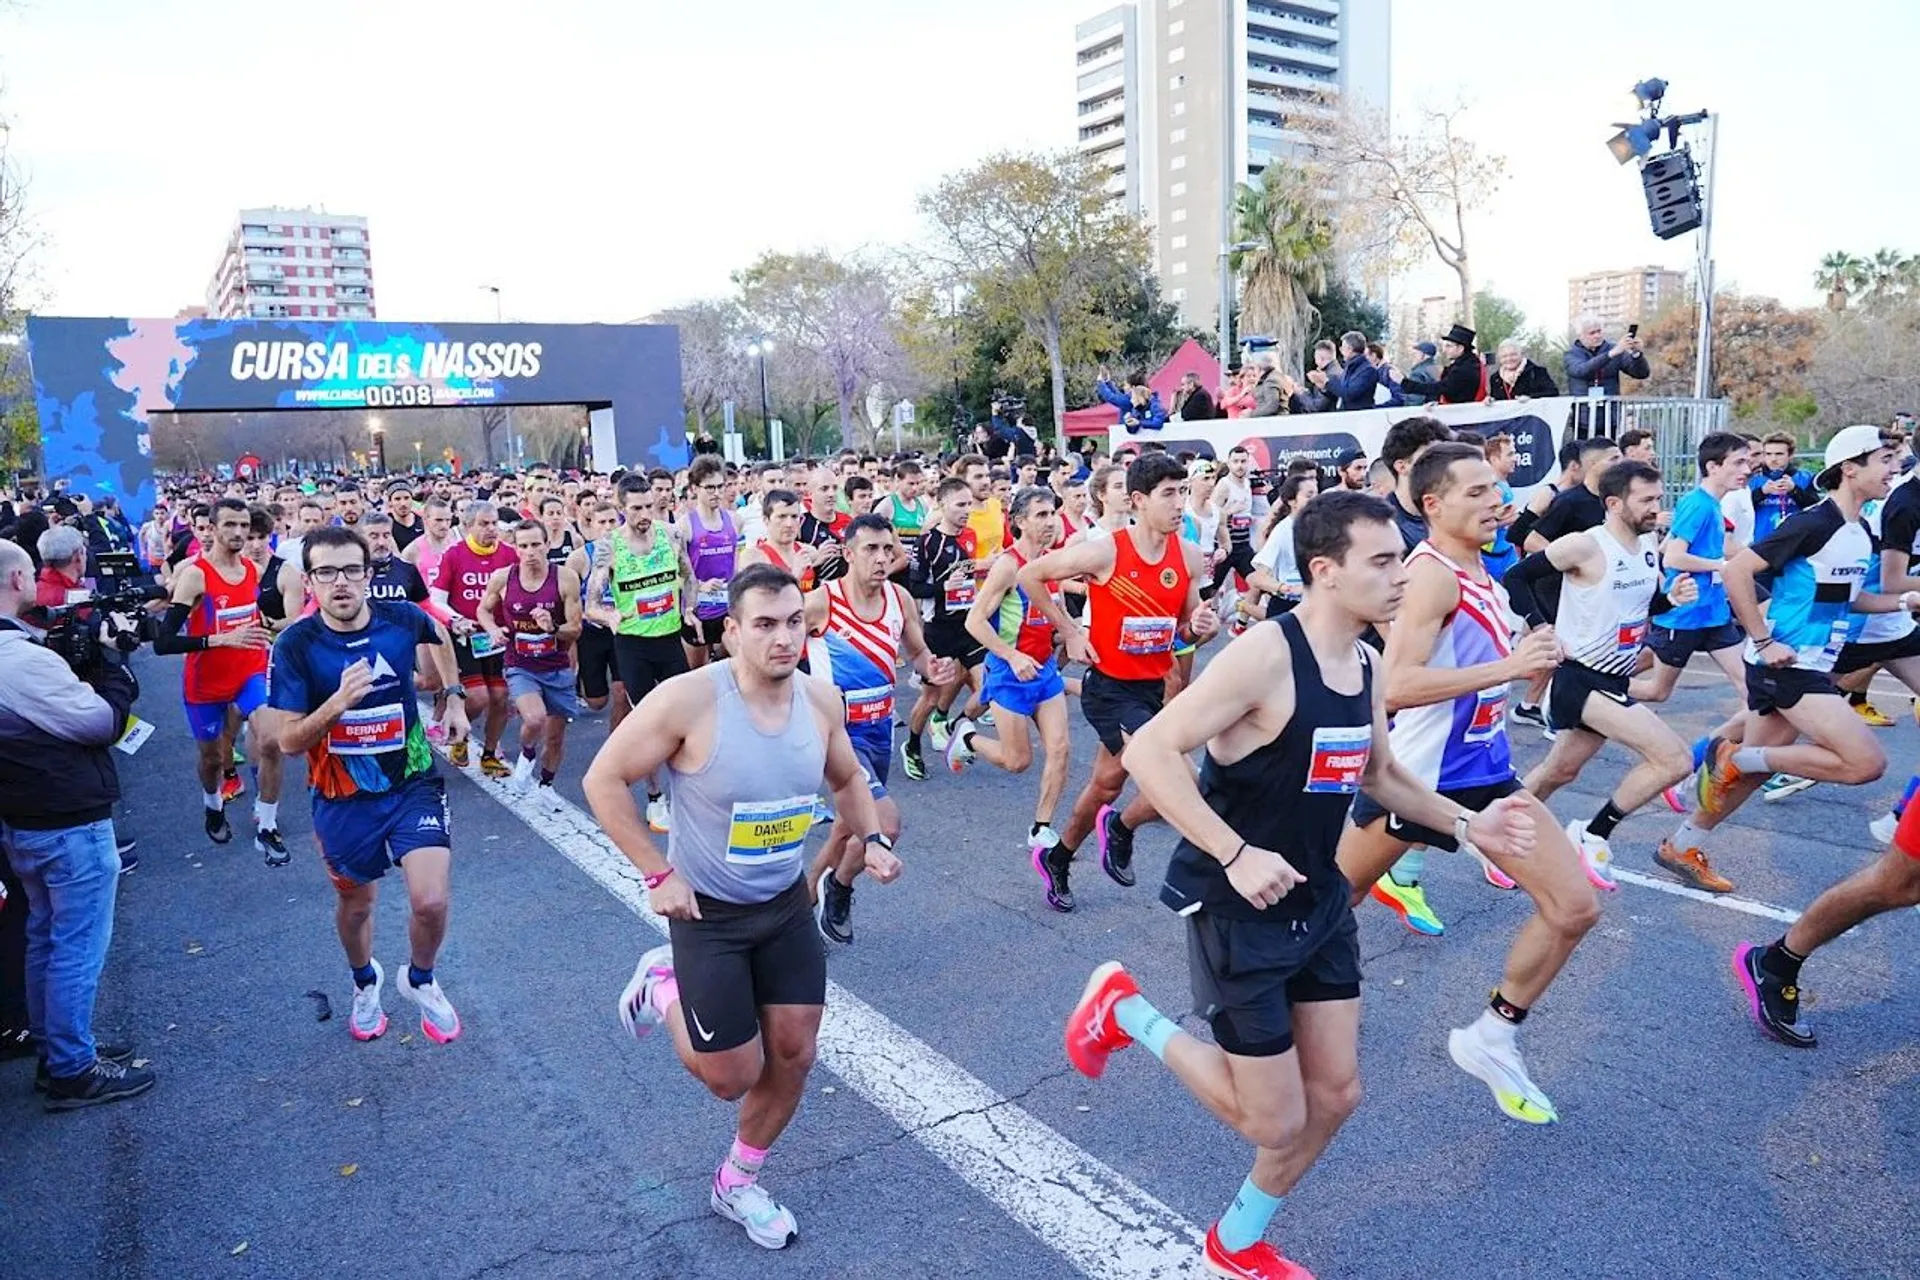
x=712, y=367
x=836, y=314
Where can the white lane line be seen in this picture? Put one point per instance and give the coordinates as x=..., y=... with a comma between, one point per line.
x=1100, y=1221
x=1727, y=900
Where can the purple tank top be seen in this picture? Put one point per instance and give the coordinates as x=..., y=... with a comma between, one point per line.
x=528, y=646
x=711, y=554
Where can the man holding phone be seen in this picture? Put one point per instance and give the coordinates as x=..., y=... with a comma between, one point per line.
x=1591, y=363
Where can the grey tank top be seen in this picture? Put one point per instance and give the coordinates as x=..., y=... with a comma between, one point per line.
x=740, y=821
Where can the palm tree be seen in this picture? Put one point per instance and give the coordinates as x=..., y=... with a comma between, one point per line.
x=1841, y=275
x=1284, y=214
x=1883, y=274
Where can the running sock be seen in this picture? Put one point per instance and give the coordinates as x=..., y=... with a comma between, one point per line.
x=1689, y=836
x=1407, y=872
x=546, y=777
x=1782, y=963
x=1857, y=699
x=418, y=977
x=364, y=976
x=666, y=994
x=1602, y=824
x=1033, y=833
x=1506, y=1011
x=1246, y=1219
x=527, y=753
x=212, y=800
x=1751, y=760
x=913, y=742
x=1146, y=1024
x=266, y=813
x=740, y=1168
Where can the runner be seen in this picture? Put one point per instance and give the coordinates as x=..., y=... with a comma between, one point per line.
x=343, y=694
x=561, y=539
x=1023, y=682
x=406, y=524
x=907, y=510
x=863, y=625
x=652, y=598
x=424, y=554
x=1143, y=598
x=943, y=579
x=1202, y=526
x=1899, y=535
x=532, y=611
x=458, y=587
x=711, y=540
x=1609, y=591
x=781, y=513
x=1293, y=721
x=593, y=652
x=1449, y=659
x=216, y=598
x=1797, y=721
x=988, y=517
x=743, y=982
x=1233, y=503
x=1573, y=510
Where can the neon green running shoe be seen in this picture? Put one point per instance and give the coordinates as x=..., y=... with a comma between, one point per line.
x=1409, y=902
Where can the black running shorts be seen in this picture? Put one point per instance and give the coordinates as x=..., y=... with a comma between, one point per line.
x=1248, y=974
x=1858, y=657
x=739, y=957
x=1116, y=707
x=1771, y=689
x=594, y=653
x=1674, y=648
x=1366, y=812
x=1572, y=685
x=949, y=638
x=645, y=661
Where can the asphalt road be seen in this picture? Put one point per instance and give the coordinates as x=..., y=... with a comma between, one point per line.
x=546, y=1144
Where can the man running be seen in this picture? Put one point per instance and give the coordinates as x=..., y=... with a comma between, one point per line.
x=877, y=626
x=1293, y=721
x=781, y=547
x=532, y=611
x=1610, y=589
x=216, y=598
x=652, y=598
x=1023, y=682
x=1797, y=721
x=1573, y=510
x=593, y=653
x=742, y=984
x=1143, y=599
x=941, y=575
x=343, y=694
x=708, y=533
x=458, y=587
x=1450, y=656
x=1233, y=502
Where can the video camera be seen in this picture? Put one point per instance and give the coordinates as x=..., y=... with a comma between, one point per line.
x=1010, y=406
x=114, y=615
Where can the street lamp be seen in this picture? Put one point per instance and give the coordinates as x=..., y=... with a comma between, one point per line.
x=416, y=455
x=759, y=347
x=515, y=450
x=377, y=448
x=1226, y=297
x=586, y=448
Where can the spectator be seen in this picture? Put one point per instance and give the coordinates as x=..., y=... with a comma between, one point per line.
x=1192, y=403
x=1353, y=384
x=1014, y=433
x=57, y=788
x=1779, y=487
x=1315, y=397
x=1460, y=381
x=63, y=571
x=1269, y=395
x=27, y=530
x=1236, y=398
x=1425, y=368
x=1387, y=394
x=1592, y=363
x=1139, y=405
x=1515, y=377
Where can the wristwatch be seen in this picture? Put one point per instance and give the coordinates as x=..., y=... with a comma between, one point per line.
x=880, y=839
x=456, y=692
x=1460, y=829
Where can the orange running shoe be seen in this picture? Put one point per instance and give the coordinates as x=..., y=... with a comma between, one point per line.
x=1716, y=776
x=1690, y=867
x=1258, y=1261
x=493, y=766
x=231, y=787
x=1093, y=1034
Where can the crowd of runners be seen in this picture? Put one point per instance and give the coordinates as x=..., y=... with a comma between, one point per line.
x=1418, y=615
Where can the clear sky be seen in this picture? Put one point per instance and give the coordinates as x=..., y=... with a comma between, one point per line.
x=600, y=159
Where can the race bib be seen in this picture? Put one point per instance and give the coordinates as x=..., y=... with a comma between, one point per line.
x=1489, y=715
x=1146, y=635
x=869, y=706
x=1630, y=636
x=959, y=595
x=712, y=599
x=138, y=731
x=654, y=604
x=368, y=731
x=1239, y=524
x=482, y=644
x=1339, y=758
x=766, y=832
x=235, y=617
x=536, y=644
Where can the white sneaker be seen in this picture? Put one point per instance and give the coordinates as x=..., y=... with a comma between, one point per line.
x=1043, y=839
x=768, y=1225
x=438, y=1022
x=938, y=732
x=1884, y=826
x=659, y=815
x=525, y=770
x=1501, y=1069
x=369, y=1020
x=1596, y=856
x=636, y=1002
x=959, y=754
x=549, y=795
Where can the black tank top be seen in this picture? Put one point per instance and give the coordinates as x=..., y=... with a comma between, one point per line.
x=1290, y=795
x=272, y=604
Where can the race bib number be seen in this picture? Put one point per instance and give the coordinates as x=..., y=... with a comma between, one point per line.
x=715, y=598
x=138, y=731
x=482, y=644
x=1630, y=636
x=959, y=595
x=1339, y=758
x=767, y=832
x=1489, y=715
x=869, y=706
x=1146, y=635
x=368, y=731
x=536, y=644
x=655, y=604
x=235, y=617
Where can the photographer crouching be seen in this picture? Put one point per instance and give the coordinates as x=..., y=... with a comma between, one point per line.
x=57, y=788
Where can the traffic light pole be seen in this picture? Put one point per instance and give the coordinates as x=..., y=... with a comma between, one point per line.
x=1703, y=344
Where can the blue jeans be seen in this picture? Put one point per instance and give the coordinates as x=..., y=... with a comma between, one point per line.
x=71, y=876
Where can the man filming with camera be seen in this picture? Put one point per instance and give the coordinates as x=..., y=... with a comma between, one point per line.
x=57, y=788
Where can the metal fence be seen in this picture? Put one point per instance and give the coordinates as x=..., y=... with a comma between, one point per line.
x=1678, y=425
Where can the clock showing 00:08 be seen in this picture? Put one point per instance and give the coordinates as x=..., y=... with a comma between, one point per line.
x=402, y=395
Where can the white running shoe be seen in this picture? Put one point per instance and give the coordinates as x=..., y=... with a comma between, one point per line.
x=959, y=754
x=659, y=815
x=1500, y=1068
x=1043, y=839
x=369, y=1020
x=1885, y=825
x=938, y=731
x=1596, y=856
x=524, y=771
x=768, y=1225
x=438, y=1022
x=636, y=1002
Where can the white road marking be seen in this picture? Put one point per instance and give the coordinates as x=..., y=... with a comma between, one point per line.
x=1727, y=900
x=1100, y=1221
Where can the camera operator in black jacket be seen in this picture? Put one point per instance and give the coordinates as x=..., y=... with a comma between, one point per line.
x=57, y=788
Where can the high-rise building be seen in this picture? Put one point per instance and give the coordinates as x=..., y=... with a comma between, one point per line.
x=1172, y=94
x=1620, y=298
x=294, y=264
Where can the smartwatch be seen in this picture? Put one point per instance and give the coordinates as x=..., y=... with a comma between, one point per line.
x=881, y=840
x=456, y=692
x=1460, y=830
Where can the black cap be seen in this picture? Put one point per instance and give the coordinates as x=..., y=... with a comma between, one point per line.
x=1352, y=456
